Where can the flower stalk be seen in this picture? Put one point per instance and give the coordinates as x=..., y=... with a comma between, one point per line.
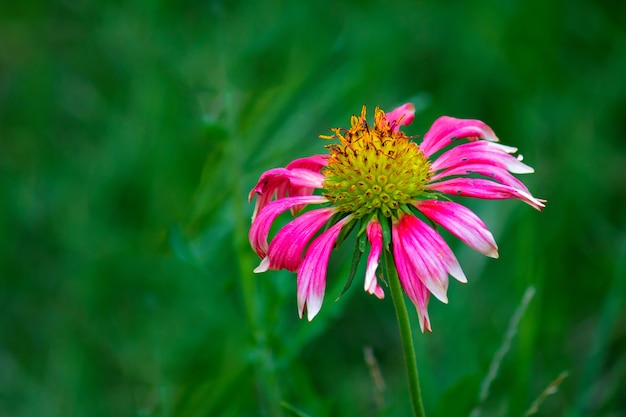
x=406, y=335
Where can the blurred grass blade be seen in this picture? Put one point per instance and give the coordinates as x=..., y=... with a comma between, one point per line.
x=502, y=351
x=550, y=389
x=294, y=410
x=600, y=342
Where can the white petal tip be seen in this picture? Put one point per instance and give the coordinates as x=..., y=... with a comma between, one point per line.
x=438, y=289
x=462, y=279
x=263, y=266
x=456, y=271
x=441, y=296
x=313, y=306
x=424, y=322
x=311, y=315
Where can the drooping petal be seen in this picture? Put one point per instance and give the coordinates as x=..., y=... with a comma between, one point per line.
x=375, y=236
x=462, y=223
x=287, y=247
x=485, y=189
x=434, y=252
x=312, y=271
x=421, y=258
x=399, y=116
x=263, y=222
x=412, y=285
x=480, y=152
x=436, y=248
x=313, y=163
x=496, y=173
x=445, y=129
x=275, y=183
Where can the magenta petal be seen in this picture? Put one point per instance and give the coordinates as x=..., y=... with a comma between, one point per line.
x=436, y=248
x=312, y=271
x=462, y=223
x=303, y=182
x=287, y=247
x=430, y=255
x=480, y=152
x=275, y=183
x=399, y=116
x=268, y=182
x=299, y=177
x=485, y=189
x=261, y=225
x=445, y=129
x=422, y=258
x=375, y=236
x=496, y=173
x=312, y=163
x=412, y=285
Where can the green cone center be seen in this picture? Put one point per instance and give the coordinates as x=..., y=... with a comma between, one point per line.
x=375, y=169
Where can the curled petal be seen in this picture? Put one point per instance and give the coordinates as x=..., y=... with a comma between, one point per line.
x=445, y=129
x=286, y=248
x=312, y=271
x=375, y=236
x=412, y=285
x=485, y=189
x=480, y=152
x=278, y=182
x=274, y=178
x=399, y=116
x=462, y=223
x=313, y=163
x=261, y=225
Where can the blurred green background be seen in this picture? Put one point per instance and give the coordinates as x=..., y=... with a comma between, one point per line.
x=131, y=133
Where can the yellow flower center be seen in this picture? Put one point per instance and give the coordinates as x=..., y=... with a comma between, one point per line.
x=375, y=169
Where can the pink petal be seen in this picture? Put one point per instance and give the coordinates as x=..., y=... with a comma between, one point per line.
x=415, y=290
x=436, y=247
x=312, y=163
x=375, y=237
x=399, y=116
x=421, y=257
x=263, y=222
x=462, y=223
x=496, y=173
x=485, y=189
x=480, y=152
x=431, y=255
x=276, y=182
x=312, y=271
x=445, y=129
x=287, y=247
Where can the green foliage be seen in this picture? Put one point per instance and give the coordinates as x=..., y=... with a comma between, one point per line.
x=132, y=132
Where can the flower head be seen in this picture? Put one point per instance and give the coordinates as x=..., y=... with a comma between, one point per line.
x=378, y=177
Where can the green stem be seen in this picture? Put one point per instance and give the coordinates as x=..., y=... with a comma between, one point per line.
x=405, y=334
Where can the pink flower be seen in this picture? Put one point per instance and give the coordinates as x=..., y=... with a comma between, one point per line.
x=379, y=180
